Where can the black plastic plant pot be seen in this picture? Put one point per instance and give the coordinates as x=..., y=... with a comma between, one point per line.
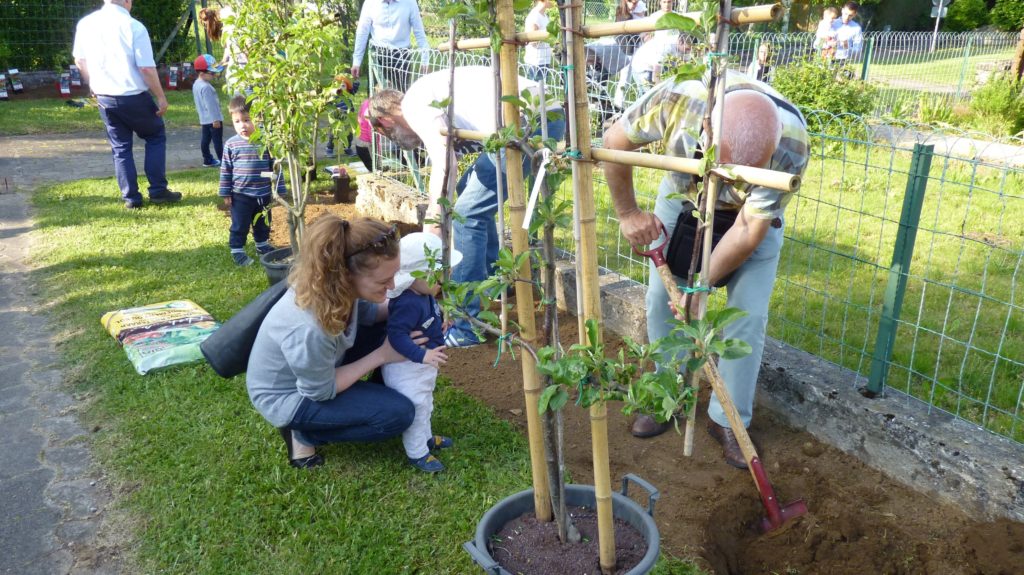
x=276, y=264
x=578, y=496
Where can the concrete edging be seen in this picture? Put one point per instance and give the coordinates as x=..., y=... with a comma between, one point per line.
x=927, y=450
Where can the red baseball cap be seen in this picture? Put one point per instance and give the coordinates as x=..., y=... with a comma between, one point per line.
x=206, y=63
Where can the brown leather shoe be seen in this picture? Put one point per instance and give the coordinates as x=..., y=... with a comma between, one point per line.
x=730, y=447
x=645, y=426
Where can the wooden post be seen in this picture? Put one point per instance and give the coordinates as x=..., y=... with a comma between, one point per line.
x=1017, y=66
x=586, y=252
x=520, y=244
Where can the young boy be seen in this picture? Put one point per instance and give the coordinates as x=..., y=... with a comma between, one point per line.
x=244, y=190
x=208, y=107
x=413, y=307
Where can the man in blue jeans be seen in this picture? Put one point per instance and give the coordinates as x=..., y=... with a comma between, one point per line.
x=411, y=120
x=114, y=53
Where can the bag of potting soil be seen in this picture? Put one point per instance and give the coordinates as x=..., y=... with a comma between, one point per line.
x=161, y=334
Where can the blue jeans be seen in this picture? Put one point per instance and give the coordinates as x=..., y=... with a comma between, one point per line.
x=243, y=214
x=125, y=116
x=214, y=135
x=476, y=235
x=749, y=289
x=366, y=411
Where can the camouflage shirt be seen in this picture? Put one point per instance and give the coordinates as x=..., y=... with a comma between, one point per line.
x=671, y=113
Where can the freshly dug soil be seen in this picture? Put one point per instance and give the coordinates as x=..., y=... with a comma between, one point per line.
x=528, y=547
x=860, y=521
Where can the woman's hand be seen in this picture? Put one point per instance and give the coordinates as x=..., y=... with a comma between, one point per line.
x=392, y=356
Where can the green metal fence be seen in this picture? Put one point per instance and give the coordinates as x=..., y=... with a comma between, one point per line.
x=903, y=260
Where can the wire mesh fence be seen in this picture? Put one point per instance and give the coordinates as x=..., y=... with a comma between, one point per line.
x=954, y=344
x=37, y=35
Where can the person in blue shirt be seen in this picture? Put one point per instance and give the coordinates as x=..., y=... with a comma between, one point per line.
x=413, y=308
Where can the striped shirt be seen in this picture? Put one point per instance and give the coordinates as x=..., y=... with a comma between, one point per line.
x=240, y=169
x=671, y=113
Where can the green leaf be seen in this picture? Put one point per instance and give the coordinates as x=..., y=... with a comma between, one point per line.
x=441, y=104
x=676, y=21
x=735, y=349
x=724, y=317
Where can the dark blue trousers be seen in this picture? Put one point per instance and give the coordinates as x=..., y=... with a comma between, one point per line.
x=243, y=215
x=214, y=135
x=124, y=117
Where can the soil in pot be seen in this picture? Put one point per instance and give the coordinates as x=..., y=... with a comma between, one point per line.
x=530, y=547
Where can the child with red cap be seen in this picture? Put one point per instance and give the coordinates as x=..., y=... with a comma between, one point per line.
x=208, y=107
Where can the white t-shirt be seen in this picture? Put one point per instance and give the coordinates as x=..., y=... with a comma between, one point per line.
x=114, y=46
x=537, y=53
x=474, y=110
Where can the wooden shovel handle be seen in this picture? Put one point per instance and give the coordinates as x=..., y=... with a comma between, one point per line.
x=674, y=295
x=742, y=437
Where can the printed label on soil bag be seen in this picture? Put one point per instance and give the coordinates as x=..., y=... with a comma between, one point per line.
x=161, y=334
x=76, y=76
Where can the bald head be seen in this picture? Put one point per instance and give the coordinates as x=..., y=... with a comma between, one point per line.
x=751, y=129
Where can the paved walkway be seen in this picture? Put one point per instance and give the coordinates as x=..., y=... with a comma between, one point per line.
x=56, y=513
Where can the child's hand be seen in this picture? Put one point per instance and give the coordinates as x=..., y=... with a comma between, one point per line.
x=435, y=357
x=227, y=201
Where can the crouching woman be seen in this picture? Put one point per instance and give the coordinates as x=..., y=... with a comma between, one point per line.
x=324, y=335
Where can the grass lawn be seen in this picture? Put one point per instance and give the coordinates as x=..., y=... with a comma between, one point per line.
x=200, y=472
x=53, y=116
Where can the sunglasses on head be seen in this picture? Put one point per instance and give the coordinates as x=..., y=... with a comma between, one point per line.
x=378, y=243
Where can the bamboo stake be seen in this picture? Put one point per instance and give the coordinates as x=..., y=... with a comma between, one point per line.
x=520, y=244
x=586, y=250
x=755, y=176
x=739, y=17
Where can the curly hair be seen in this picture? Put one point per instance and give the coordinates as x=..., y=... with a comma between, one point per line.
x=210, y=17
x=333, y=250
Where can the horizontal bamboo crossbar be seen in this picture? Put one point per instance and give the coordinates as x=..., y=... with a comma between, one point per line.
x=740, y=17
x=783, y=181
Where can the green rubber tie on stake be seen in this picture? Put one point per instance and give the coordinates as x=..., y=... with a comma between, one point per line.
x=501, y=345
x=710, y=55
x=695, y=289
x=573, y=153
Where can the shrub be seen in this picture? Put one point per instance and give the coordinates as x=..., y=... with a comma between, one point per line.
x=817, y=85
x=966, y=15
x=999, y=105
x=1007, y=15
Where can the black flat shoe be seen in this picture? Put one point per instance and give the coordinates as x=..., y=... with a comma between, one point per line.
x=315, y=460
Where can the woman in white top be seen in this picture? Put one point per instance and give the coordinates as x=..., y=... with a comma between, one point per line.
x=630, y=10
x=537, y=56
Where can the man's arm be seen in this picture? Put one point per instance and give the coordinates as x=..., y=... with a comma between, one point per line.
x=736, y=246
x=153, y=83
x=639, y=227
x=362, y=37
x=80, y=62
x=416, y=21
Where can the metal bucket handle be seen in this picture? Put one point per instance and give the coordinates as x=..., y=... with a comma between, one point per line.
x=482, y=559
x=652, y=493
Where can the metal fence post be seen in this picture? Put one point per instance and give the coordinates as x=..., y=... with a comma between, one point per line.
x=868, y=50
x=903, y=252
x=963, y=68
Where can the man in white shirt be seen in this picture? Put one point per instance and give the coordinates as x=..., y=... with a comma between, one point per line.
x=411, y=121
x=848, y=34
x=114, y=53
x=389, y=23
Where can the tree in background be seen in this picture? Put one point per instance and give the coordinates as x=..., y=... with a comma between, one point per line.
x=1008, y=15
x=965, y=15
